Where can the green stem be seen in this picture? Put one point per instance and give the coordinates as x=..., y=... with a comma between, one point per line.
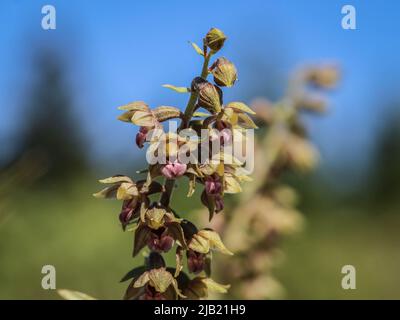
x=190, y=107
x=194, y=95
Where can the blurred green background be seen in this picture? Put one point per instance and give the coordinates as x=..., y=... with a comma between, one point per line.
x=59, y=135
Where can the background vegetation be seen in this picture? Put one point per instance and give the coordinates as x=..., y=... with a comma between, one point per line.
x=59, y=134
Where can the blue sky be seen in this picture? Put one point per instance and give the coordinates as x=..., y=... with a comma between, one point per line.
x=120, y=51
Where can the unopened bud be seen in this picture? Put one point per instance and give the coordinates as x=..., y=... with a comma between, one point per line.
x=224, y=72
x=210, y=96
x=214, y=39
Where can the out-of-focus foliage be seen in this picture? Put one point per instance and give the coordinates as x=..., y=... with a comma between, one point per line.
x=49, y=134
x=267, y=209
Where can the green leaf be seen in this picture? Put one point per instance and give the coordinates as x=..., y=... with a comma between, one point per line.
x=134, y=273
x=201, y=114
x=197, y=48
x=177, y=89
x=73, y=295
x=240, y=106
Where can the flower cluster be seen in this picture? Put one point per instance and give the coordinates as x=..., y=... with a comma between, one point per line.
x=156, y=225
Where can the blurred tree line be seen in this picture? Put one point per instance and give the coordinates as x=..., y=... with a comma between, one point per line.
x=50, y=140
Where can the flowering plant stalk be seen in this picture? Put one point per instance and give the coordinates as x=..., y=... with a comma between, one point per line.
x=147, y=206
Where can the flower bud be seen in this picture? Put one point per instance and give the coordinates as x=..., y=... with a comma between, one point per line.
x=174, y=169
x=141, y=137
x=210, y=96
x=224, y=72
x=214, y=39
x=196, y=261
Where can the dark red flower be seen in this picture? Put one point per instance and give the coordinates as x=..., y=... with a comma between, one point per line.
x=196, y=261
x=160, y=241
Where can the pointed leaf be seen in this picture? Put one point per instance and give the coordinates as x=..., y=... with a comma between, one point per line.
x=177, y=89
x=240, y=106
x=197, y=48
